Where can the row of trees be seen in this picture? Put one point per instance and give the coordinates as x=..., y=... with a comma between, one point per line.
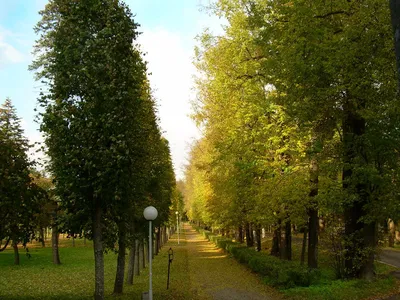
x=107, y=158
x=299, y=107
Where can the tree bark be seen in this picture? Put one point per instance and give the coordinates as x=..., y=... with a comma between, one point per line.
x=275, y=250
x=286, y=249
x=16, y=253
x=303, y=246
x=395, y=18
x=54, y=245
x=143, y=243
x=258, y=237
x=137, y=260
x=131, y=263
x=312, y=254
x=41, y=237
x=119, y=277
x=392, y=233
x=249, y=234
x=98, y=254
x=360, y=235
x=240, y=236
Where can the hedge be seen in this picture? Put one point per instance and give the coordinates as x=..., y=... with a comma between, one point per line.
x=275, y=272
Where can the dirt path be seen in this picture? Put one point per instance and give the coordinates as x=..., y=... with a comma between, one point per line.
x=216, y=276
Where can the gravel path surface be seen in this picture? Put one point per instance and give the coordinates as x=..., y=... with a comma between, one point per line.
x=215, y=275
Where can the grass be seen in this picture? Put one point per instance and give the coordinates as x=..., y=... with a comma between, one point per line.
x=325, y=286
x=38, y=278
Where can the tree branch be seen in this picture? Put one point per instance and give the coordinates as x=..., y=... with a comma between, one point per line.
x=338, y=12
x=5, y=246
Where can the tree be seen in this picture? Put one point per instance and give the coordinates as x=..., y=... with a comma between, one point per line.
x=18, y=194
x=92, y=105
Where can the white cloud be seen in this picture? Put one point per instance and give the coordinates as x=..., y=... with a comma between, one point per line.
x=170, y=63
x=8, y=53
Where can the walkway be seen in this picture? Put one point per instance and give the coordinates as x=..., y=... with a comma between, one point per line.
x=215, y=275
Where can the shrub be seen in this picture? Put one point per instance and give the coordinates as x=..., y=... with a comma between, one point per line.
x=275, y=272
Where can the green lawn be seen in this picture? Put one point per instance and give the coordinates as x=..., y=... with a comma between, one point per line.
x=38, y=278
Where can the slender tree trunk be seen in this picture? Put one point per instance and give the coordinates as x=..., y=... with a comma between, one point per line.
x=392, y=233
x=119, y=277
x=249, y=234
x=54, y=245
x=395, y=17
x=303, y=247
x=240, y=236
x=313, y=217
x=73, y=240
x=275, y=250
x=131, y=263
x=258, y=237
x=144, y=253
x=288, y=240
x=137, y=260
x=16, y=253
x=41, y=237
x=98, y=254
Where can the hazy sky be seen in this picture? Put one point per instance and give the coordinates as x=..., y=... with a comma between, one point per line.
x=169, y=29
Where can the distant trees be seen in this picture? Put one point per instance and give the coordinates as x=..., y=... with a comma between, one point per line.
x=19, y=195
x=298, y=104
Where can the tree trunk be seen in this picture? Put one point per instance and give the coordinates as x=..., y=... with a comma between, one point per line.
x=313, y=222
x=131, y=264
x=54, y=245
x=240, y=236
x=16, y=253
x=286, y=246
x=143, y=243
x=157, y=241
x=41, y=237
x=360, y=235
x=137, y=260
x=392, y=233
x=275, y=250
x=395, y=17
x=258, y=237
x=303, y=246
x=73, y=240
x=98, y=254
x=249, y=234
x=119, y=277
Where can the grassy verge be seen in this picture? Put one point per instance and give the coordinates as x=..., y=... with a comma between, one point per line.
x=38, y=278
x=297, y=283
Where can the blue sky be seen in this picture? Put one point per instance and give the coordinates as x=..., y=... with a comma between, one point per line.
x=169, y=28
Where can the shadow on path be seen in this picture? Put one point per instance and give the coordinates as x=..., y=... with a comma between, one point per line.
x=215, y=275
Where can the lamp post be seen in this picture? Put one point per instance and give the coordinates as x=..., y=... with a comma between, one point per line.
x=150, y=213
x=177, y=224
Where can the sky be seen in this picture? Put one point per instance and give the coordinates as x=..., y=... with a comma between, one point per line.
x=168, y=27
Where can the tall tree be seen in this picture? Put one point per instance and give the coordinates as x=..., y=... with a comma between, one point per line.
x=92, y=107
x=18, y=194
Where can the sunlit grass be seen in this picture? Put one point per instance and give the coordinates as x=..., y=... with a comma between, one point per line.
x=38, y=278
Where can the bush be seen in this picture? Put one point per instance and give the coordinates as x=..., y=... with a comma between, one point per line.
x=275, y=272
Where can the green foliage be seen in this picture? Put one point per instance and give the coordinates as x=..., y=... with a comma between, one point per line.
x=299, y=106
x=19, y=195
